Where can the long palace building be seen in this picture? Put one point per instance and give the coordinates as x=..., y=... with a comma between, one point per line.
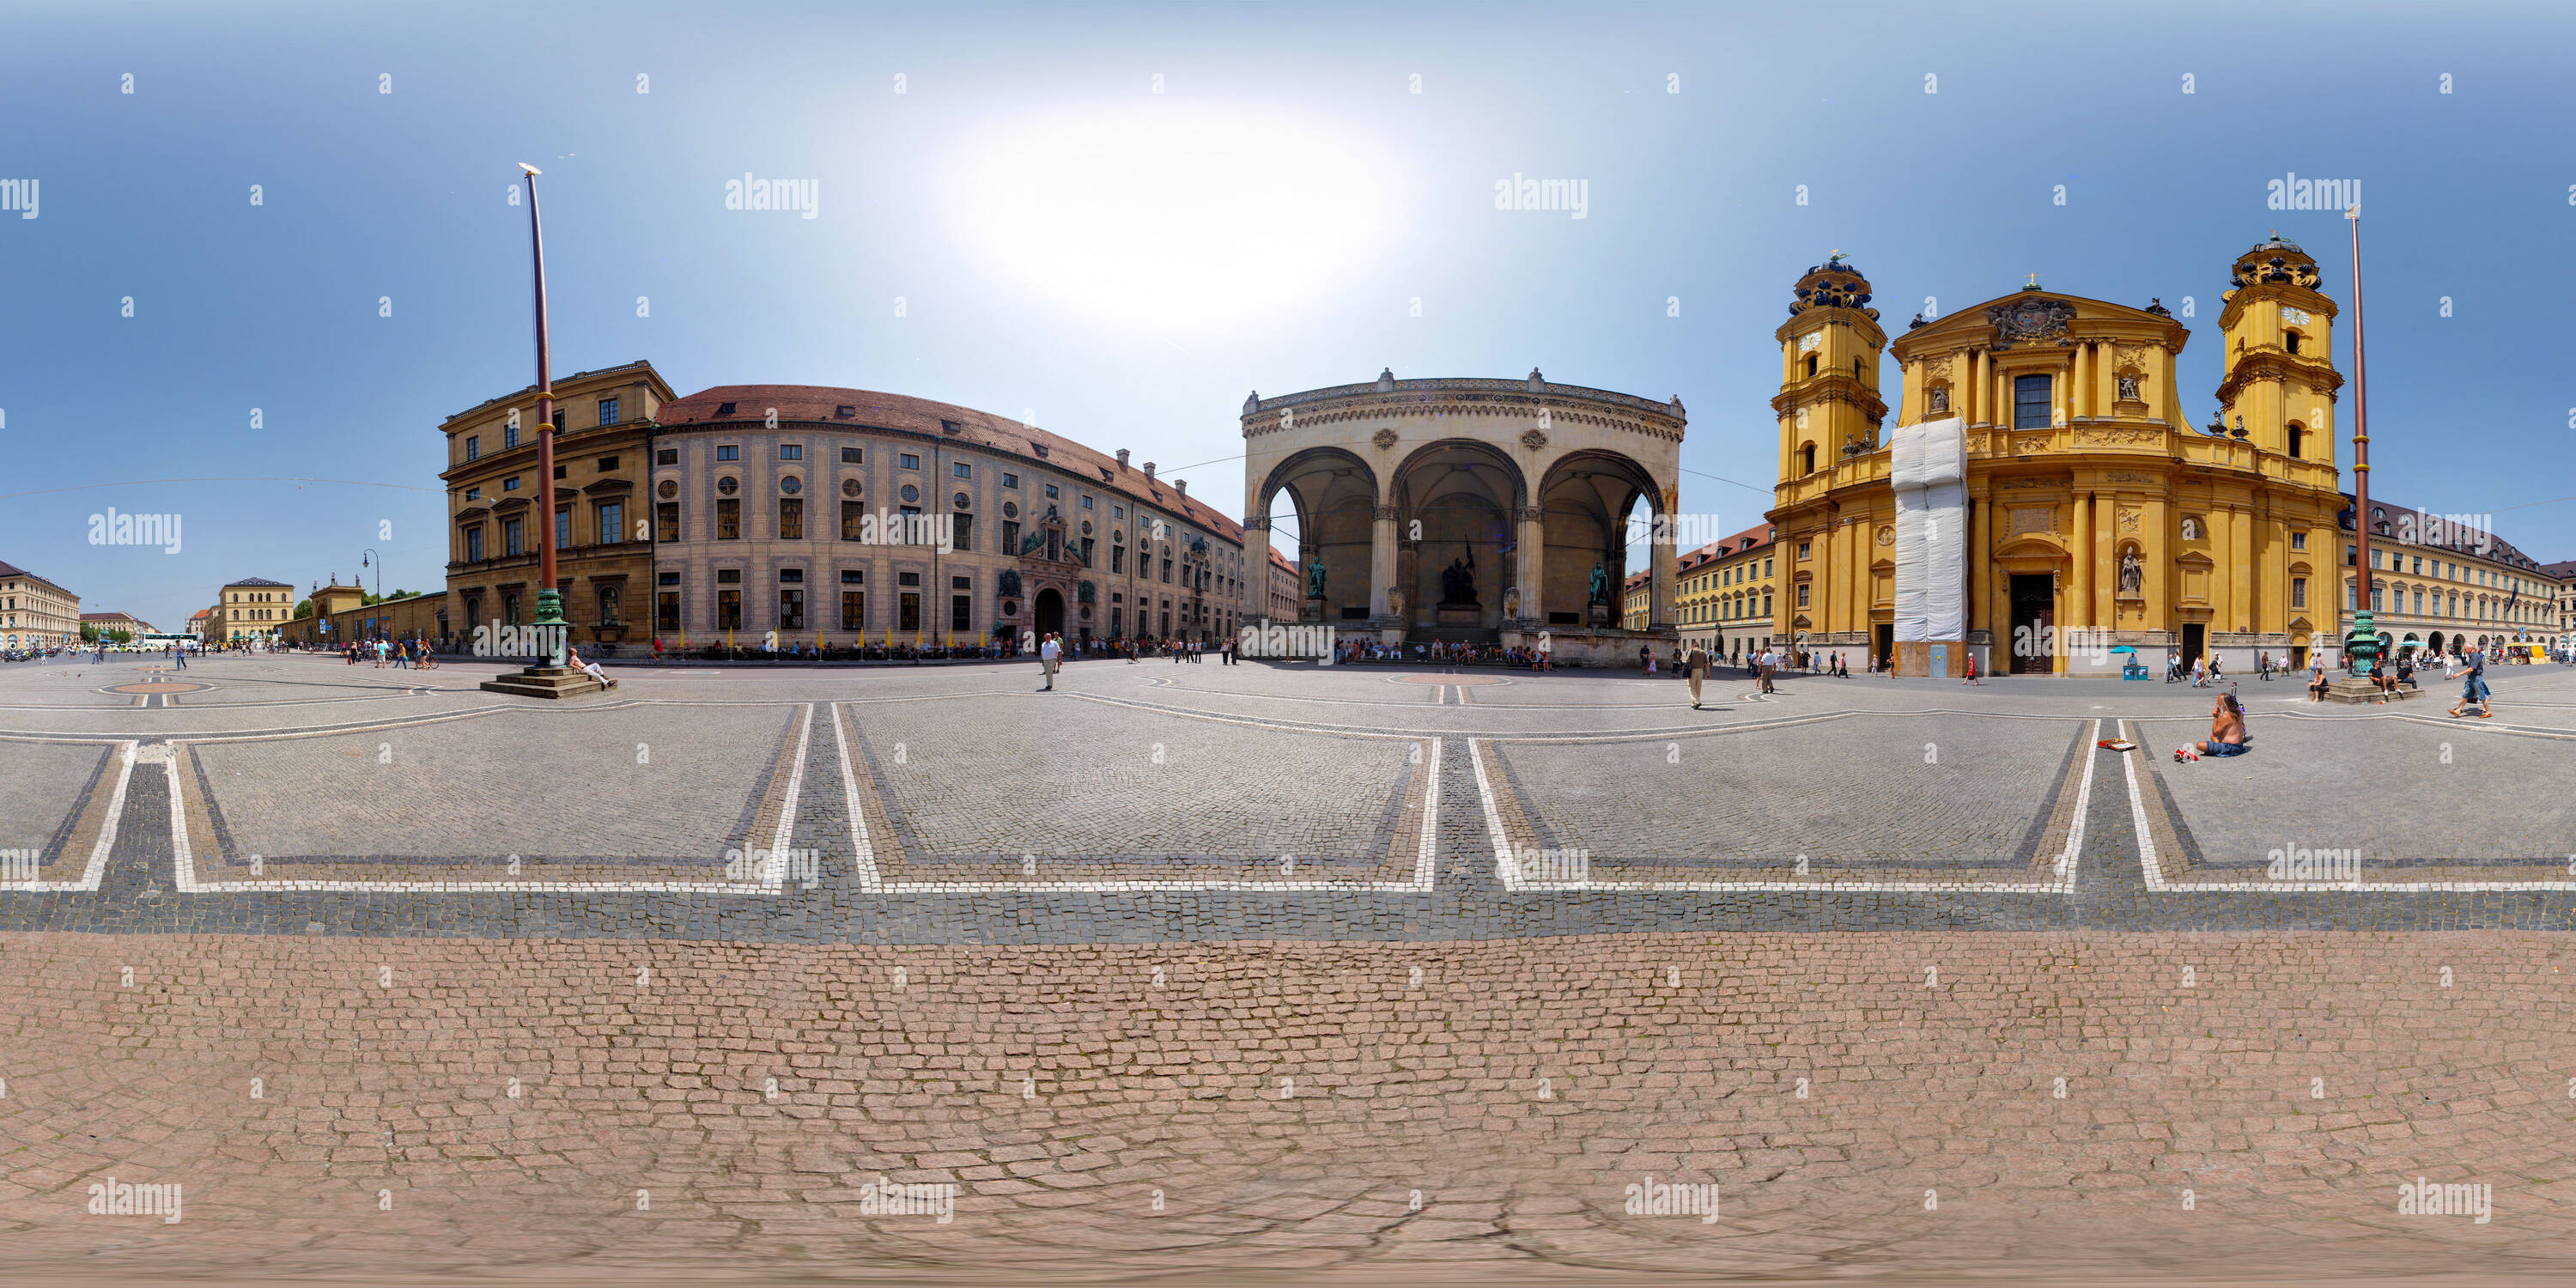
x=2042, y=497
x=803, y=514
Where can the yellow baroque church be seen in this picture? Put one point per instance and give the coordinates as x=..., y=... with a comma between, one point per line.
x=2043, y=497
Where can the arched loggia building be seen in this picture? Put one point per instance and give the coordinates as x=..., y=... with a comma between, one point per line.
x=1468, y=509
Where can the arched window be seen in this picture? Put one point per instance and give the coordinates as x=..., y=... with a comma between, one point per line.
x=1811, y=366
x=2298, y=435
x=2291, y=340
x=1807, y=459
x=1855, y=368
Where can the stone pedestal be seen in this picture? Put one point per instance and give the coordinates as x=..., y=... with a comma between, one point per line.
x=1313, y=610
x=2352, y=690
x=1597, y=615
x=1458, y=615
x=544, y=682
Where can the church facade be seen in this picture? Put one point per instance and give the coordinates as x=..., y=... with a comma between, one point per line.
x=2042, y=498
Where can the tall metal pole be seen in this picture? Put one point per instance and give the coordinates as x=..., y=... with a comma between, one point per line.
x=550, y=619
x=2364, y=642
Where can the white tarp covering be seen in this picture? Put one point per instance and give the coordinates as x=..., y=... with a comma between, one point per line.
x=1927, y=464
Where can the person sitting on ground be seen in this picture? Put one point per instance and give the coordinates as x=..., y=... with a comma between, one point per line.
x=2226, y=732
x=590, y=669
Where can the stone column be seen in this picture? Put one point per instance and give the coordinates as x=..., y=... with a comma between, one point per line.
x=1382, y=565
x=1664, y=558
x=2157, y=548
x=2079, y=588
x=2080, y=398
x=1533, y=563
x=1981, y=574
x=2106, y=563
x=2240, y=546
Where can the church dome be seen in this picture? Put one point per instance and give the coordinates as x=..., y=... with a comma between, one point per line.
x=1834, y=284
x=2276, y=260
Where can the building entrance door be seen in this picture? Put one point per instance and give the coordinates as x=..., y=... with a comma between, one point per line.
x=2034, y=619
x=2195, y=638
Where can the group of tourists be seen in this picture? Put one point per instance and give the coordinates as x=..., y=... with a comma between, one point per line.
x=406, y=654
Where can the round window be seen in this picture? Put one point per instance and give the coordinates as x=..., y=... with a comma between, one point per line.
x=728, y=485
x=963, y=500
x=911, y=493
x=1086, y=527
x=791, y=485
x=849, y=487
x=669, y=488
x=1010, y=509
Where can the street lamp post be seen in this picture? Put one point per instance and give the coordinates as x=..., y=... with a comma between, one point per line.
x=367, y=560
x=551, y=627
x=2362, y=645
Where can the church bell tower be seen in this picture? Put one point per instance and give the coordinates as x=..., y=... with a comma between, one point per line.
x=1828, y=403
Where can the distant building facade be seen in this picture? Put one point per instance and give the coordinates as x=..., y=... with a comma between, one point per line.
x=35, y=612
x=249, y=609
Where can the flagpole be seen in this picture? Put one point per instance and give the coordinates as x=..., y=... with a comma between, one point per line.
x=2363, y=644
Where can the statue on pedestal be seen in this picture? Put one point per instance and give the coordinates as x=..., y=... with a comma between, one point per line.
x=1315, y=578
x=1600, y=584
x=1458, y=580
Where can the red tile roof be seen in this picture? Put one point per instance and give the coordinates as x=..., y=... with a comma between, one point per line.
x=819, y=404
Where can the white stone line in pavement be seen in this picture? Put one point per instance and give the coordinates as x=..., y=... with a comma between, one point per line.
x=1507, y=864
x=772, y=881
x=2156, y=880
x=871, y=880
x=97, y=868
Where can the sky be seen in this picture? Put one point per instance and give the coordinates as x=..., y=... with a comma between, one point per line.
x=1119, y=220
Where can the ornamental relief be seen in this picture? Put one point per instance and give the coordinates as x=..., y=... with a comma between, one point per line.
x=2131, y=476
x=2122, y=436
x=2027, y=520
x=2030, y=321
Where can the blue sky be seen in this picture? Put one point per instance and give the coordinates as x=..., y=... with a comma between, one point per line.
x=1128, y=264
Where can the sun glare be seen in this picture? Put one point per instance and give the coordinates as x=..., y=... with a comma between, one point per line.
x=1172, y=214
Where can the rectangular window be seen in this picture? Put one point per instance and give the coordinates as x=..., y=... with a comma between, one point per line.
x=852, y=456
x=961, y=612
x=1117, y=558
x=907, y=460
x=2032, y=408
x=474, y=544
x=854, y=610
x=1086, y=503
x=512, y=531
x=474, y=447
x=965, y=534
x=1766, y=567
x=1086, y=552
x=509, y=437
x=908, y=611
x=791, y=608
x=1802, y=549
x=907, y=579
x=2351, y=555
x=666, y=456
x=791, y=518
x=612, y=522
x=1050, y=490
x=608, y=596
x=791, y=451
x=666, y=521
x=2351, y=597
x=960, y=469
x=728, y=576
x=1010, y=537
x=473, y=494
x=510, y=484
x=1167, y=570
x=728, y=519
x=854, y=516
x=729, y=610
x=1010, y=479
x=666, y=611
x=2299, y=541
x=607, y=411
x=563, y=529
x=607, y=463
x=666, y=579
x=728, y=451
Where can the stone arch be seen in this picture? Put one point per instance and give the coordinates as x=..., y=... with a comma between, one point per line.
x=1584, y=500
x=1335, y=493
x=1455, y=503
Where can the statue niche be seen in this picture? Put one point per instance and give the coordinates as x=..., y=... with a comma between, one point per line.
x=1458, y=605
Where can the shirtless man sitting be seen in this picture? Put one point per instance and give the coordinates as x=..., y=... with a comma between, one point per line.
x=2226, y=732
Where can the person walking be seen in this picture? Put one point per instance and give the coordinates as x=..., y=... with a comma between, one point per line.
x=1972, y=673
x=1695, y=667
x=1048, y=655
x=1762, y=670
x=2473, y=686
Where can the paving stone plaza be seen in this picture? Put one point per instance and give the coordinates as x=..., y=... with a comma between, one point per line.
x=1211, y=969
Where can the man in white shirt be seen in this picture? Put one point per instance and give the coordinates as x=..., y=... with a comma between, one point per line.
x=1048, y=654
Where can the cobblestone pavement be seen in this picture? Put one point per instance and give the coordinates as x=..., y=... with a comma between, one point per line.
x=1229, y=971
